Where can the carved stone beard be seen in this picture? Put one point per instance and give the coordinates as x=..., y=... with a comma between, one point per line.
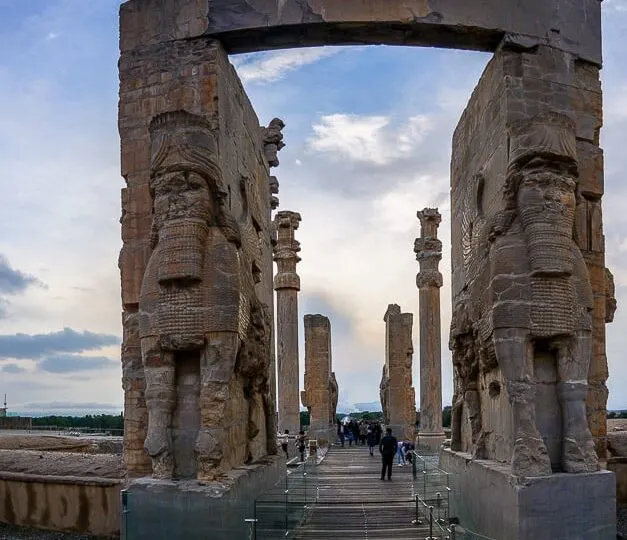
x=547, y=212
x=546, y=206
x=183, y=212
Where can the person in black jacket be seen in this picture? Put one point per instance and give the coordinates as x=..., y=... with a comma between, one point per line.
x=387, y=447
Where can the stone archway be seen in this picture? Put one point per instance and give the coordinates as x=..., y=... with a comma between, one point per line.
x=174, y=61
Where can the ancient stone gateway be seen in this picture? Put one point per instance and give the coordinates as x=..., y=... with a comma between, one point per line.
x=398, y=398
x=196, y=262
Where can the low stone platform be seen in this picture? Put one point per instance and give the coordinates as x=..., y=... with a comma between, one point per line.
x=162, y=510
x=489, y=500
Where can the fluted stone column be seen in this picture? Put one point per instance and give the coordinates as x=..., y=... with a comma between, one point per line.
x=429, y=280
x=287, y=285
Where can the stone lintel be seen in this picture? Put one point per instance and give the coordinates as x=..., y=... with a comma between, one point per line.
x=247, y=25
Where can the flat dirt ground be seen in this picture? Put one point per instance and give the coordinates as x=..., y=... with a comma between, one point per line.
x=62, y=456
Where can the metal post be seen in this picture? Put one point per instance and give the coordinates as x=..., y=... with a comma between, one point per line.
x=438, y=501
x=453, y=534
x=431, y=523
x=413, y=465
x=286, y=493
x=416, y=498
x=125, y=512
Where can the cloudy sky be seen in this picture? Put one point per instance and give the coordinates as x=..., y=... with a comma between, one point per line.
x=368, y=144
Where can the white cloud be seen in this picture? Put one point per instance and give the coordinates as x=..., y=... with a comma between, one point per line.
x=615, y=5
x=369, y=139
x=271, y=66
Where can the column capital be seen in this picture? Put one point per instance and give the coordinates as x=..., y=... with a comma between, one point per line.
x=428, y=249
x=286, y=250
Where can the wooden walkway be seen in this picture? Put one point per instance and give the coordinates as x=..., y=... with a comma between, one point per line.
x=352, y=501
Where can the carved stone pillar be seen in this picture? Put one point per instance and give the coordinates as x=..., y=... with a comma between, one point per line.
x=287, y=285
x=318, y=376
x=429, y=280
x=397, y=393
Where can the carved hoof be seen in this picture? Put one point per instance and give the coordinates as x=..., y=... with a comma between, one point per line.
x=163, y=466
x=530, y=458
x=579, y=457
x=208, y=455
x=156, y=442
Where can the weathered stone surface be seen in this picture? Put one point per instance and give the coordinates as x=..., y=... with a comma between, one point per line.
x=287, y=285
x=617, y=444
x=498, y=505
x=249, y=25
x=525, y=301
x=428, y=251
x=398, y=398
x=320, y=384
x=192, y=149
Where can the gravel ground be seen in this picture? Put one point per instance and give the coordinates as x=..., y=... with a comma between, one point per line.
x=8, y=532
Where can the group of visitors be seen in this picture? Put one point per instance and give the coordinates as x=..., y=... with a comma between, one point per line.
x=301, y=440
x=370, y=433
x=359, y=432
x=390, y=446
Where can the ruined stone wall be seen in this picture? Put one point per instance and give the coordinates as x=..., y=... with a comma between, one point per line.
x=61, y=503
x=520, y=84
x=15, y=422
x=192, y=76
x=318, y=376
x=400, y=397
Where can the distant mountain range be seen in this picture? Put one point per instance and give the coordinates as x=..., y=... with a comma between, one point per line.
x=370, y=406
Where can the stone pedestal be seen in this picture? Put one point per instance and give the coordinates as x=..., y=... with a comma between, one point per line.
x=287, y=285
x=428, y=251
x=153, y=509
x=429, y=442
x=488, y=500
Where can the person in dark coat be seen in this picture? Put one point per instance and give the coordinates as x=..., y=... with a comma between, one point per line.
x=372, y=439
x=387, y=447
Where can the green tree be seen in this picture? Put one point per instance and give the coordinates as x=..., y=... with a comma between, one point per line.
x=446, y=416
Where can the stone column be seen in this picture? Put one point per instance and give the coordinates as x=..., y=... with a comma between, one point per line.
x=429, y=280
x=318, y=375
x=397, y=392
x=287, y=285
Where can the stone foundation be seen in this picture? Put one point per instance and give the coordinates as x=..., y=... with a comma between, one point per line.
x=489, y=500
x=61, y=503
x=153, y=509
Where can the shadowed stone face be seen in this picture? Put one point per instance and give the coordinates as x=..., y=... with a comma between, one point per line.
x=181, y=195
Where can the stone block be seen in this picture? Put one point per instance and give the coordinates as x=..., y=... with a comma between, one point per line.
x=618, y=465
x=217, y=510
x=490, y=501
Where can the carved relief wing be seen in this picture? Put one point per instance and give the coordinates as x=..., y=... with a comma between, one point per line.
x=473, y=225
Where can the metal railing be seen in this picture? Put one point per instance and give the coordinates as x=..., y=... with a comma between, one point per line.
x=280, y=512
x=433, y=493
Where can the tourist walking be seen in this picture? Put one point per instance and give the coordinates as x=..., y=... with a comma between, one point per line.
x=363, y=432
x=387, y=447
x=285, y=439
x=300, y=442
x=340, y=432
x=372, y=440
x=400, y=454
